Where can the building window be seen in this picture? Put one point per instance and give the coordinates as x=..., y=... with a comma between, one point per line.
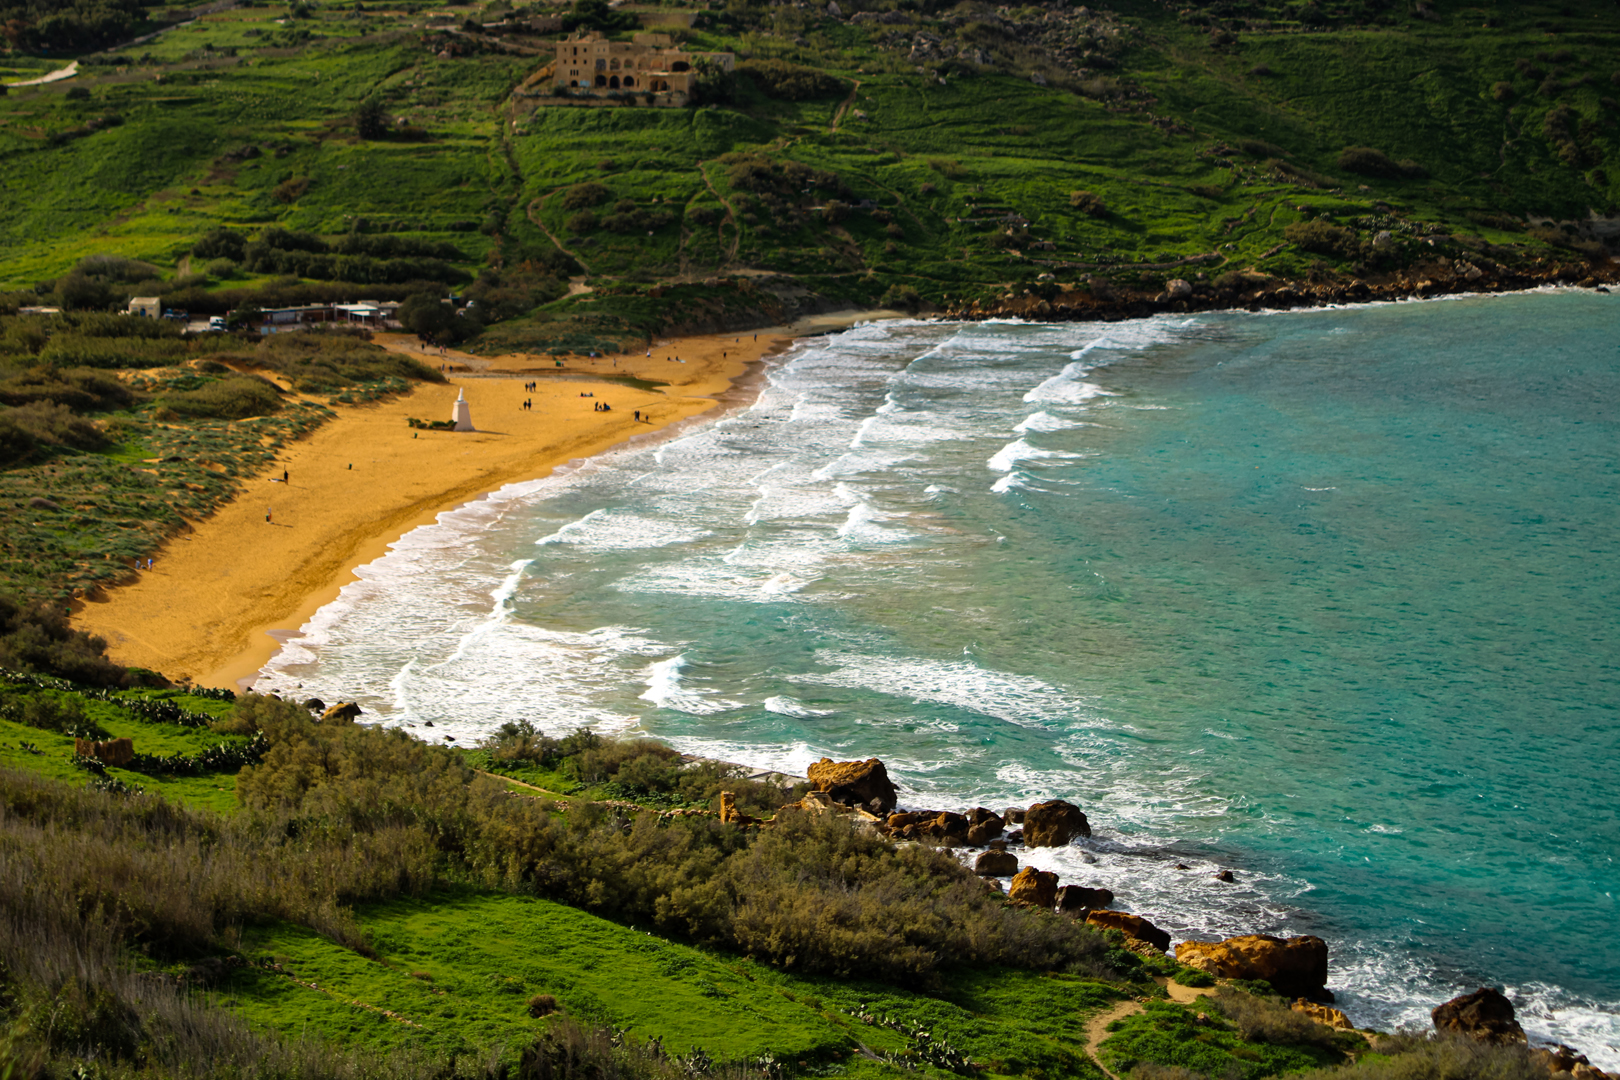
x=601, y=65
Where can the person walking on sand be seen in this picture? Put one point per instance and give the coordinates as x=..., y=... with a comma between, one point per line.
x=284, y=476
x=638, y=414
x=267, y=520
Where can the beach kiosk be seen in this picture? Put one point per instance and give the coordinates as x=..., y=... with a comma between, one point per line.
x=463, y=412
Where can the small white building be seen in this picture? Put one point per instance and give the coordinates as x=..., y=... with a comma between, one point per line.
x=462, y=414
x=150, y=307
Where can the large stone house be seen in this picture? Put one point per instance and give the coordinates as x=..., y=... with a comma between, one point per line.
x=648, y=64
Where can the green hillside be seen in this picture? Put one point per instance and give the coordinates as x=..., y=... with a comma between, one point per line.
x=898, y=152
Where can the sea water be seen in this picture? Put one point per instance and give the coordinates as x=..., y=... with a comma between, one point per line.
x=1328, y=598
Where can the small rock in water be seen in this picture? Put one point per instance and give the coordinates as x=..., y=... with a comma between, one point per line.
x=1181, y=866
x=1087, y=857
x=449, y=738
x=427, y=723
x=1225, y=875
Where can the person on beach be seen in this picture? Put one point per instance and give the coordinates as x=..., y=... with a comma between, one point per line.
x=284, y=476
x=638, y=414
x=267, y=520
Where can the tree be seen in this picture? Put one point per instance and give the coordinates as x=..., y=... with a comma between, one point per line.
x=597, y=15
x=370, y=121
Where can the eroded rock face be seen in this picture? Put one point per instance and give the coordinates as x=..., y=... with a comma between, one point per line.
x=1484, y=1015
x=1179, y=289
x=1073, y=899
x=1132, y=926
x=1296, y=966
x=345, y=712
x=996, y=864
x=1053, y=824
x=855, y=783
x=1323, y=1014
x=1037, y=888
x=983, y=826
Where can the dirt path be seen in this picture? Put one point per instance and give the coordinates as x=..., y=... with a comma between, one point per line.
x=55, y=76
x=519, y=783
x=729, y=219
x=534, y=216
x=838, y=117
x=1097, y=1030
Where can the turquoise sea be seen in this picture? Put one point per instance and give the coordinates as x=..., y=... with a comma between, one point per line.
x=1329, y=598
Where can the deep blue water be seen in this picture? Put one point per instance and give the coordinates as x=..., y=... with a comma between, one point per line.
x=1329, y=598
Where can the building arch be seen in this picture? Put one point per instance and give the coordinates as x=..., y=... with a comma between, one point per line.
x=629, y=81
x=601, y=80
x=613, y=82
x=680, y=65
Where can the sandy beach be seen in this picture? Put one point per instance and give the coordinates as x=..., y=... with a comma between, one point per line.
x=263, y=564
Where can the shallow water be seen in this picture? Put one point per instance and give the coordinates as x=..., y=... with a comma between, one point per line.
x=1325, y=597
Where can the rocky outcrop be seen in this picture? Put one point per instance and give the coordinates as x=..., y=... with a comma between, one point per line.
x=315, y=705
x=1565, y=1062
x=1076, y=899
x=345, y=712
x=996, y=864
x=1037, y=888
x=114, y=752
x=1323, y=1014
x=1296, y=966
x=1132, y=926
x=1053, y=824
x=729, y=812
x=942, y=825
x=855, y=783
x=1485, y=1015
x=1012, y=816
x=983, y=826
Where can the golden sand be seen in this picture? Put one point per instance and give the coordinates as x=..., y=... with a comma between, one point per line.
x=267, y=561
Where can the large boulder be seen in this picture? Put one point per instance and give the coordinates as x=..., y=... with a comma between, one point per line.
x=996, y=864
x=983, y=826
x=855, y=783
x=1037, y=888
x=1296, y=966
x=1484, y=1015
x=1074, y=899
x=1053, y=824
x=1132, y=926
x=346, y=712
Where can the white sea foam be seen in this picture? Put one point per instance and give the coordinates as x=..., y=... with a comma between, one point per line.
x=1063, y=390
x=1018, y=451
x=1045, y=421
x=1021, y=700
x=666, y=690
x=787, y=706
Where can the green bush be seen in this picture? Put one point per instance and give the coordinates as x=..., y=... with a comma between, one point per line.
x=586, y=195
x=27, y=429
x=1269, y=1020
x=1369, y=162
x=789, y=82
x=1259, y=148
x=37, y=638
x=1089, y=204
x=1324, y=238
x=233, y=398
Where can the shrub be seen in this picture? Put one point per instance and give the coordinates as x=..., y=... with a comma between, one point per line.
x=582, y=223
x=37, y=638
x=543, y=1005
x=1369, y=162
x=789, y=82
x=584, y=196
x=1258, y=148
x=292, y=190
x=1262, y=1019
x=901, y=298
x=234, y=398
x=370, y=120
x=41, y=424
x=1416, y=1057
x=1087, y=203
x=1502, y=91
x=79, y=389
x=221, y=243
x=78, y=93
x=951, y=170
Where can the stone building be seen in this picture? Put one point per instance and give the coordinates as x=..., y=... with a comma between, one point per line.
x=648, y=64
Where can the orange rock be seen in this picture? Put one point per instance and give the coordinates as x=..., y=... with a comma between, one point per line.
x=855, y=783
x=1132, y=926
x=1037, y=888
x=1484, y=1015
x=1323, y=1014
x=1296, y=966
x=730, y=813
x=1054, y=823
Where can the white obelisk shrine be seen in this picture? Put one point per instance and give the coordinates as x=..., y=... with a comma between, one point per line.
x=463, y=413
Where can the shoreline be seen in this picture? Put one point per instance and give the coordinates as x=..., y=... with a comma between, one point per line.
x=222, y=599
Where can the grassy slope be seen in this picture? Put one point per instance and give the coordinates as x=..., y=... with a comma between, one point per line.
x=931, y=152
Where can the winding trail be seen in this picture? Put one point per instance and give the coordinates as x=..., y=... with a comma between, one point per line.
x=56, y=76
x=1097, y=1031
